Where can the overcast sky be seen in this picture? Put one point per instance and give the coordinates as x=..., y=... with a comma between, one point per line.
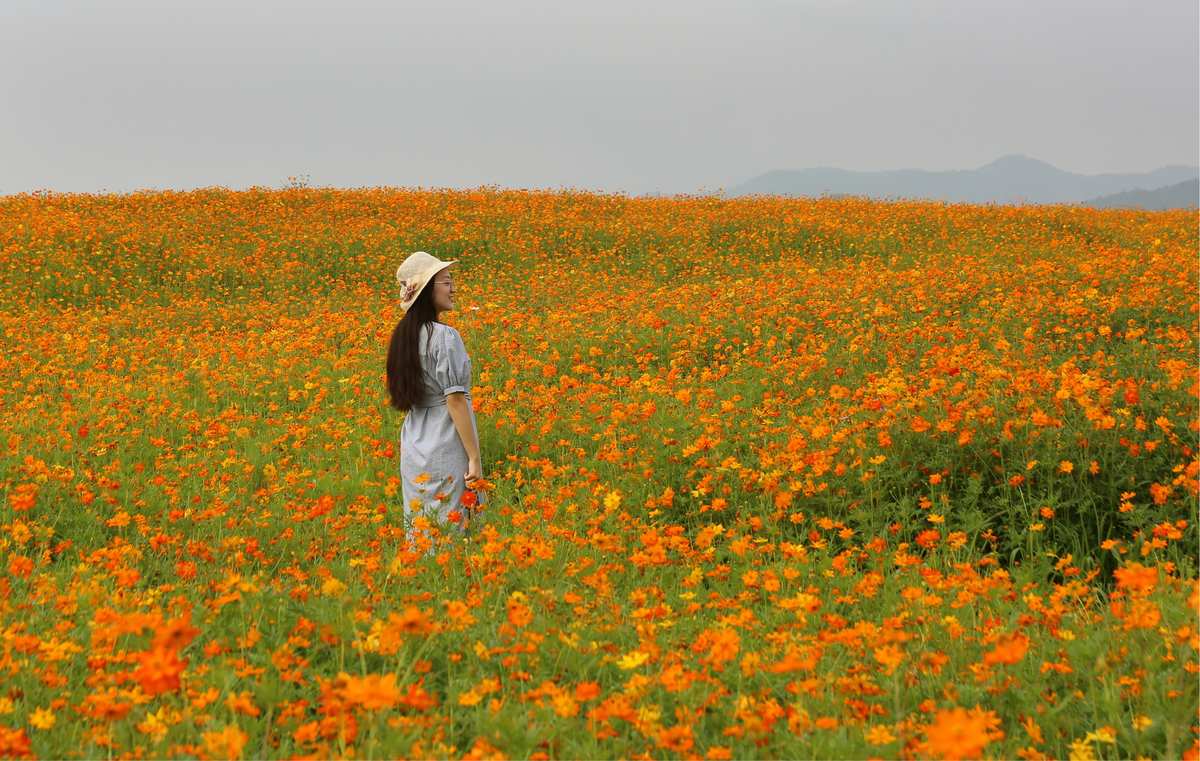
x=634, y=96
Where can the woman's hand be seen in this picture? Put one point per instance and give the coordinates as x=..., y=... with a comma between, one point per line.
x=474, y=471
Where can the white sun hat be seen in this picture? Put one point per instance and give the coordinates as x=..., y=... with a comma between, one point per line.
x=414, y=272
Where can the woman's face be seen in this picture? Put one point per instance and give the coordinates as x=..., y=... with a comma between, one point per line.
x=443, y=291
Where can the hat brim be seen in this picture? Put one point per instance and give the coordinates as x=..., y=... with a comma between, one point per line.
x=414, y=289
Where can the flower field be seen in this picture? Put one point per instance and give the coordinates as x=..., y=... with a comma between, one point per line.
x=768, y=478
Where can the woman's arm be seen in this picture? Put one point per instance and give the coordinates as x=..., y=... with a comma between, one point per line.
x=460, y=413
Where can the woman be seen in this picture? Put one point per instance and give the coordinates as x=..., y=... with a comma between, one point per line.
x=429, y=377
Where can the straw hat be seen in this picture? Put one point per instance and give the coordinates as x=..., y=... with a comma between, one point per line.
x=414, y=272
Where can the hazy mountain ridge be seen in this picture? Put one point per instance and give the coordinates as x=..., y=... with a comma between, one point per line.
x=1182, y=195
x=1010, y=179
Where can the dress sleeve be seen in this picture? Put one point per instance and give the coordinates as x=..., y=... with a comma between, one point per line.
x=453, y=367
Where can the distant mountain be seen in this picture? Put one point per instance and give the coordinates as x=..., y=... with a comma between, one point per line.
x=1011, y=179
x=1182, y=195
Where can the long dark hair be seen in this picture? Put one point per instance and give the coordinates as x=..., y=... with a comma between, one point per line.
x=405, y=381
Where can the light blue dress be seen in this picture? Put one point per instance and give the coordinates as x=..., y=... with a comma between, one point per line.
x=433, y=460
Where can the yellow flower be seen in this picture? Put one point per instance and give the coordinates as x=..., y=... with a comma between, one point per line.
x=20, y=533
x=155, y=724
x=564, y=705
x=225, y=743
x=1104, y=735
x=1081, y=750
x=633, y=660
x=474, y=695
x=469, y=698
x=42, y=719
x=649, y=714
x=332, y=587
x=880, y=736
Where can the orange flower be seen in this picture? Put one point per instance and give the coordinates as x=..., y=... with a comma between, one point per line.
x=519, y=614
x=158, y=670
x=20, y=566
x=23, y=497
x=1141, y=614
x=106, y=706
x=724, y=644
x=371, y=692
x=929, y=538
x=306, y=733
x=459, y=614
x=243, y=703
x=176, y=634
x=14, y=743
x=958, y=733
x=1009, y=649
x=1136, y=578
x=889, y=656
x=677, y=739
x=412, y=621
x=585, y=691
x=1160, y=493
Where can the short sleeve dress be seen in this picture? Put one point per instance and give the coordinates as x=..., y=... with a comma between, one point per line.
x=433, y=460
